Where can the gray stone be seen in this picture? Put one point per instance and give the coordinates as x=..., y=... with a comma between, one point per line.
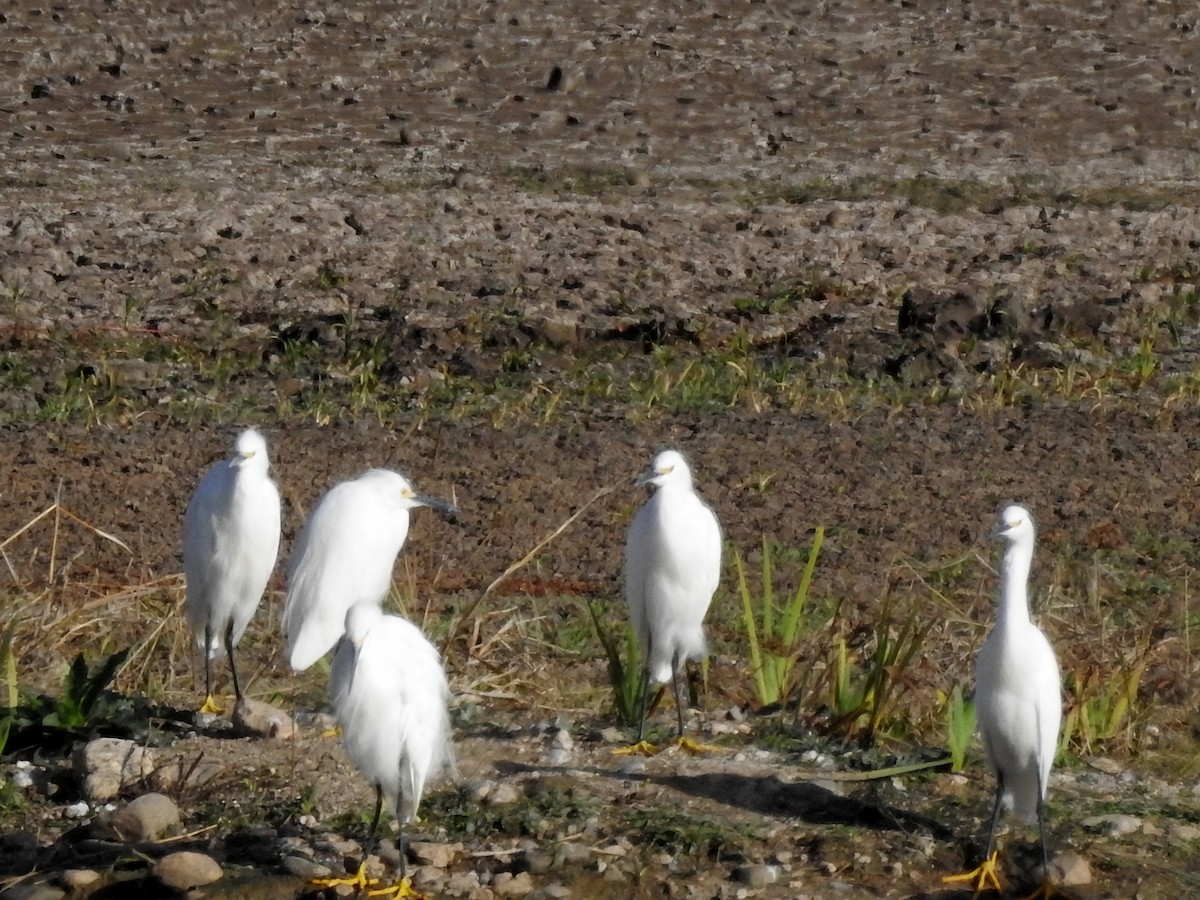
x=305, y=868
x=1182, y=832
x=40, y=891
x=184, y=772
x=79, y=879
x=1114, y=824
x=462, y=883
x=575, y=854
x=508, y=885
x=186, y=870
x=253, y=718
x=106, y=766
x=148, y=818
x=757, y=877
x=632, y=766
x=428, y=877
x=503, y=793
x=431, y=853
x=1070, y=870
x=539, y=861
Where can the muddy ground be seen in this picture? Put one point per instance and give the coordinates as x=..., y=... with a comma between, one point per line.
x=874, y=267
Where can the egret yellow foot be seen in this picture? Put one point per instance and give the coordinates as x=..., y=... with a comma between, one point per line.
x=695, y=748
x=402, y=890
x=210, y=706
x=332, y=732
x=979, y=878
x=359, y=881
x=641, y=748
x=1045, y=892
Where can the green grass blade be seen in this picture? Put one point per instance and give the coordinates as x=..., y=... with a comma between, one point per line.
x=768, y=592
x=10, y=665
x=756, y=662
x=791, y=623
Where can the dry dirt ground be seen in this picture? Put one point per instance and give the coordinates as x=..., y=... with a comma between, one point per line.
x=873, y=266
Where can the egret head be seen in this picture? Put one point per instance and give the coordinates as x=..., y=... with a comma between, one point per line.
x=1013, y=523
x=410, y=498
x=669, y=467
x=398, y=490
x=360, y=619
x=250, y=449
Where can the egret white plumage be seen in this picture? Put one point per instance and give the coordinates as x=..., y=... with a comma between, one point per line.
x=1018, y=697
x=672, y=569
x=390, y=695
x=230, y=541
x=344, y=556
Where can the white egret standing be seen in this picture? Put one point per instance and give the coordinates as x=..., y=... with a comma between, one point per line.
x=672, y=568
x=230, y=541
x=1018, y=697
x=344, y=555
x=390, y=695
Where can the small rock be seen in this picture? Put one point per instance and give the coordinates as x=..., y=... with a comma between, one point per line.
x=77, y=810
x=1182, y=832
x=430, y=853
x=106, y=766
x=1070, y=870
x=612, y=735
x=40, y=891
x=632, y=766
x=508, y=885
x=1114, y=824
x=503, y=793
x=575, y=854
x=79, y=879
x=462, y=883
x=253, y=718
x=186, y=870
x=614, y=874
x=148, y=818
x=304, y=868
x=428, y=877
x=184, y=771
x=539, y=861
x=757, y=877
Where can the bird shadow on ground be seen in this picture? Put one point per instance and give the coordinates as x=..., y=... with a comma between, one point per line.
x=768, y=795
x=805, y=801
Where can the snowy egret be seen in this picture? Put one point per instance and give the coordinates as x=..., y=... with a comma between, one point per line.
x=344, y=555
x=672, y=568
x=1018, y=697
x=390, y=696
x=230, y=541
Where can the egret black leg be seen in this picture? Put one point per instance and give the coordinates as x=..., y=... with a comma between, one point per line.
x=645, y=690
x=1041, y=816
x=991, y=839
x=371, y=835
x=237, y=688
x=399, y=836
x=208, y=643
x=678, y=698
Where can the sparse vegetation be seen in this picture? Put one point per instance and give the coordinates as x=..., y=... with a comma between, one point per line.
x=773, y=630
